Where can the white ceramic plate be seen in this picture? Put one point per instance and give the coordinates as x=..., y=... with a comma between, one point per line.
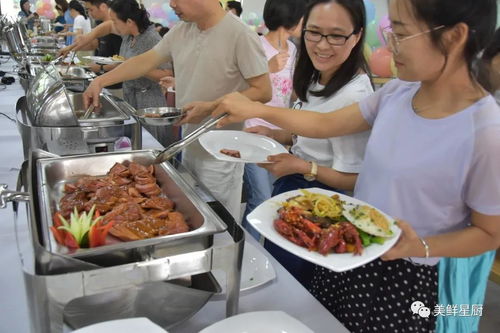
x=253, y=148
x=130, y=325
x=256, y=269
x=258, y=322
x=103, y=60
x=263, y=216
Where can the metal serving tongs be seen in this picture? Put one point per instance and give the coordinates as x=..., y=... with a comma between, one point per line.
x=176, y=147
x=88, y=112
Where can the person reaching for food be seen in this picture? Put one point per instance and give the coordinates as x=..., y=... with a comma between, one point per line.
x=431, y=160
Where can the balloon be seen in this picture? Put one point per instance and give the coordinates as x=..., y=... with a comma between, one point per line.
x=172, y=16
x=370, y=10
x=46, y=1
x=40, y=11
x=47, y=6
x=383, y=25
x=371, y=35
x=380, y=62
x=166, y=7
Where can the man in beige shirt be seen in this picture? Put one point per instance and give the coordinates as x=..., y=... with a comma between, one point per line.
x=213, y=54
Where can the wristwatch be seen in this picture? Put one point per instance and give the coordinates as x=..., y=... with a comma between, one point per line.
x=101, y=71
x=311, y=175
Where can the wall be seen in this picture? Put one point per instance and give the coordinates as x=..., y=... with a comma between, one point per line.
x=257, y=6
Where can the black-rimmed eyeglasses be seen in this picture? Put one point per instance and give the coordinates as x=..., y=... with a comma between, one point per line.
x=332, y=39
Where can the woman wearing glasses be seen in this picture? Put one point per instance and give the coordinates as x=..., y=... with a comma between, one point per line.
x=330, y=74
x=432, y=160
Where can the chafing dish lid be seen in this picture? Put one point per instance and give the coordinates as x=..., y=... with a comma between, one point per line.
x=48, y=100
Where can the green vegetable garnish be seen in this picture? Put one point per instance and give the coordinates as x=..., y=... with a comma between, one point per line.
x=79, y=225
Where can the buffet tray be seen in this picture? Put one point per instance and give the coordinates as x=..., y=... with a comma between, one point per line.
x=54, y=173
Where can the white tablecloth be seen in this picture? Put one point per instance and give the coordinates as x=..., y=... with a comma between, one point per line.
x=284, y=293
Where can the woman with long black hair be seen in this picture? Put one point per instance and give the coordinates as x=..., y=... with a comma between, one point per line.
x=331, y=72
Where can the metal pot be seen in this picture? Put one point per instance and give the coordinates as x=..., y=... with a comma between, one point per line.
x=145, y=282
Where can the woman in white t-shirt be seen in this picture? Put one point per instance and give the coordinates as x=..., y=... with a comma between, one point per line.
x=330, y=74
x=81, y=24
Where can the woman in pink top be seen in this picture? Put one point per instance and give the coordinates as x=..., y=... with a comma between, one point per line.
x=283, y=18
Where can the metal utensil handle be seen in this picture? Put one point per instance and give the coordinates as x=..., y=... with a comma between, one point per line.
x=88, y=112
x=8, y=196
x=204, y=127
x=174, y=148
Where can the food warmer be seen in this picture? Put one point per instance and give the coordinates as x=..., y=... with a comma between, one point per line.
x=49, y=117
x=166, y=279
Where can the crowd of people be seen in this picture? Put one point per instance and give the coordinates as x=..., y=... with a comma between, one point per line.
x=423, y=148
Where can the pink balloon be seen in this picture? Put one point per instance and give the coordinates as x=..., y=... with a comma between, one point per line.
x=384, y=25
x=380, y=62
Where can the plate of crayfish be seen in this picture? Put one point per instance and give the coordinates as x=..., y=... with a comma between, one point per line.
x=327, y=228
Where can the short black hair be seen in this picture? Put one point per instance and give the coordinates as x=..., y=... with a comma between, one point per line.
x=305, y=74
x=158, y=25
x=97, y=3
x=236, y=5
x=163, y=31
x=283, y=13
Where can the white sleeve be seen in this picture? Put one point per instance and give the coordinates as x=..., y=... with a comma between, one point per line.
x=78, y=23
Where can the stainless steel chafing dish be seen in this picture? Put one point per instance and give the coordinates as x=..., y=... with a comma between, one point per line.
x=49, y=118
x=166, y=279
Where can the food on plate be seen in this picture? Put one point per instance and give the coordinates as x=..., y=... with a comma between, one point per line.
x=127, y=201
x=319, y=223
x=231, y=152
x=117, y=57
x=369, y=220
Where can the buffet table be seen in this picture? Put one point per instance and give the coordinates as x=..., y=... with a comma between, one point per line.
x=284, y=293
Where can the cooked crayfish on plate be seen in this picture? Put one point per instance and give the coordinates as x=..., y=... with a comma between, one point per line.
x=317, y=222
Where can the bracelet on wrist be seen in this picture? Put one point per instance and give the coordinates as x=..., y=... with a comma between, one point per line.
x=426, y=247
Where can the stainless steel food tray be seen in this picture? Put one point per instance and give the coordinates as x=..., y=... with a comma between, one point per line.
x=53, y=173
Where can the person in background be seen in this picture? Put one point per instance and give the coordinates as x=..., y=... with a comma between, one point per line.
x=163, y=31
x=489, y=67
x=331, y=73
x=81, y=23
x=59, y=20
x=234, y=7
x=283, y=18
x=158, y=27
x=131, y=21
x=25, y=14
x=235, y=61
x=432, y=160
x=68, y=27
x=105, y=46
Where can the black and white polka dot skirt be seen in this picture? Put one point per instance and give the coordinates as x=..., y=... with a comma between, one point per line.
x=377, y=297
